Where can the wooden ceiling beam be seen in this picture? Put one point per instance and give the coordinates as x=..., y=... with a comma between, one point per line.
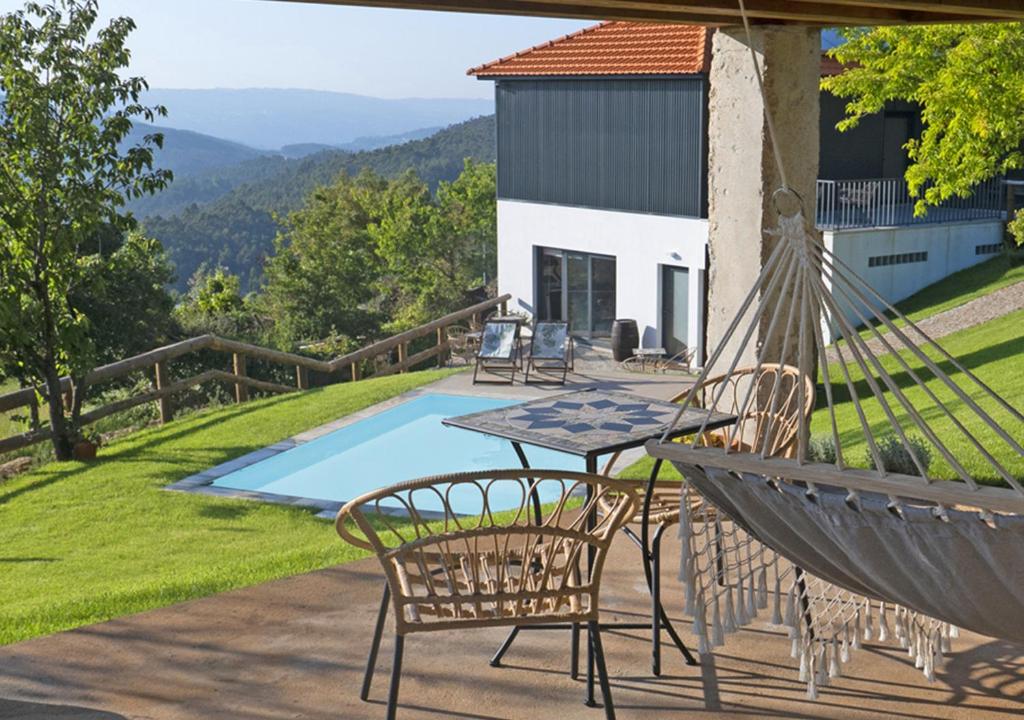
x=536, y=8
x=817, y=13
x=991, y=10
x=811, y=12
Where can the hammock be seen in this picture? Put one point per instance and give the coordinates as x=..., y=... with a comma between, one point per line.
x=935, y=546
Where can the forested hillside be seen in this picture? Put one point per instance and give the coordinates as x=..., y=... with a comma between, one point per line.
x=226, y=216
x=187, y=153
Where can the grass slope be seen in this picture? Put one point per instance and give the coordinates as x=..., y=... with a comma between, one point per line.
x=992, y=351
x=86, y=542
x=958, y=289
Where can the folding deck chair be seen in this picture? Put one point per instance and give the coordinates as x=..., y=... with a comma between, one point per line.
x=550, y=350
x=499, y=350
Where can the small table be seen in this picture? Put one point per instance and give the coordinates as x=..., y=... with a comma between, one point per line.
x=646, y=355
x=589, y=424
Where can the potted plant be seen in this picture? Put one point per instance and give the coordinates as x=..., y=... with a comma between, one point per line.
x=85, y=446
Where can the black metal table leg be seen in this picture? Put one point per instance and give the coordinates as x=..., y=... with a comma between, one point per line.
x=659, y=618
x=591, y=522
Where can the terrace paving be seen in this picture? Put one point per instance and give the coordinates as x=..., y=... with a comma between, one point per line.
x=295, y=648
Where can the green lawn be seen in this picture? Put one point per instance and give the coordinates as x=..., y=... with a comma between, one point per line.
x=958, y=289
x=85, y=542
x=993, y=351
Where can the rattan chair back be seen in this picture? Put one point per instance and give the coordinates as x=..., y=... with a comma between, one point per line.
x=520, y=566
x=770, y=424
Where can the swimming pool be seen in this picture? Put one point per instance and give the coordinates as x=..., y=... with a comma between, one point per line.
x=401, y=443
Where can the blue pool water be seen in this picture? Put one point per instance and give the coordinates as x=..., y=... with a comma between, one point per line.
x=404, y=442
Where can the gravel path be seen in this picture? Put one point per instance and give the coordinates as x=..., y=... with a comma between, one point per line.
x=980, y=310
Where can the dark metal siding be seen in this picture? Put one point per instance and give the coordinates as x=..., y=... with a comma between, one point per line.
x=858, y=153
x=620, y=144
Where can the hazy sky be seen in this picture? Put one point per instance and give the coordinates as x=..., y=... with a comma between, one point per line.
x=265, y=43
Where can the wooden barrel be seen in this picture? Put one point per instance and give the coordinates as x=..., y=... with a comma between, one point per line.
x=625, y=339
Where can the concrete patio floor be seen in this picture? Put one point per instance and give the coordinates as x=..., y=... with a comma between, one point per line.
x=295, y=648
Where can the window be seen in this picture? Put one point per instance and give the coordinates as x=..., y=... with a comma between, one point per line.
x=989, y=249
x=576, y=287
x=897, y=259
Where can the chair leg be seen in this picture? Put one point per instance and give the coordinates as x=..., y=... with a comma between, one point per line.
x=382, y=614
x=574, y=652
x=656, y=601
x=594, y=630
x=396, y=677
x=476, y=369
x=496, y=660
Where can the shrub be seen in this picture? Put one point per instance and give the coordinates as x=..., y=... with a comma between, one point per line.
x=895, y=456
x=822, y=449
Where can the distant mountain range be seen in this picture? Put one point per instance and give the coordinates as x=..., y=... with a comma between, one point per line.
x=268, y=119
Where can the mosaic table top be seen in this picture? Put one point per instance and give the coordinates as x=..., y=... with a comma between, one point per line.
x=588, y=422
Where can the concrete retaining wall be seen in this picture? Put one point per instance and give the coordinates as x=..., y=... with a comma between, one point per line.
x=950, y=247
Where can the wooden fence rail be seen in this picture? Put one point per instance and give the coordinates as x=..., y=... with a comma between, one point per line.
x=163, y=388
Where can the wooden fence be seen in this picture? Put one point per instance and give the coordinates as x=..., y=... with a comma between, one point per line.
x=164, y=388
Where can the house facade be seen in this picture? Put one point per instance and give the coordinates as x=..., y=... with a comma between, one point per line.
x=602, y=184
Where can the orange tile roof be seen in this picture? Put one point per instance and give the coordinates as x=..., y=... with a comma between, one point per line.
x=611, y=48
x=619, y=48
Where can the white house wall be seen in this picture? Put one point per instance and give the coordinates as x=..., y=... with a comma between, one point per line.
x=950, y=247
x=640, y=244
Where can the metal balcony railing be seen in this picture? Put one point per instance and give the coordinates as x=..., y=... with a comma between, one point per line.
x=885, y=202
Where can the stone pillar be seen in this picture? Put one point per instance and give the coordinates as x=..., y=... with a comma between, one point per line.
x=742, y=173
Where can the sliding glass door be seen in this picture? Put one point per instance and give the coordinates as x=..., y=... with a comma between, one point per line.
x=577, y=287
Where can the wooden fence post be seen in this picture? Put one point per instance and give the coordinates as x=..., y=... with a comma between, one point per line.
x=403, y=354
x=301, y=378
x=238, y=365
x=440, y=341
x=355, y=371
x=166, y=413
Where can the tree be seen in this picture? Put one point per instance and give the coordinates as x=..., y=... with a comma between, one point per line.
x=124, y=295
x=325, y=267
x=438, y=250
x=968, y=81
x=64, y=179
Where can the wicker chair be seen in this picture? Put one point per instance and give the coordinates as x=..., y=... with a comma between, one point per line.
x=449, y=570
x=770, y=428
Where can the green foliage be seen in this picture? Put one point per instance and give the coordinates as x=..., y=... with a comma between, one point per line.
x=1016, y=228
x=124, y=295
x=217, y=293
x=437, y=251
x=214, y=305
x=366, y=250
x=108, y=554
x=64, y=177
x=231, y=234
x=323, y=273
x=896, y=458
x=969, y=83
x=822, y=449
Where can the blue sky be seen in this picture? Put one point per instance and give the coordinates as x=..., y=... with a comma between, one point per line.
x=370, y=51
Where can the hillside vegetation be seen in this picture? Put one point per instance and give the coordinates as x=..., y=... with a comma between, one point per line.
x=227, y=216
